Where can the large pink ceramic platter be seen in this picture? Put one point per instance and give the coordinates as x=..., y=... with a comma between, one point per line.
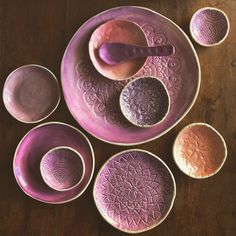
x=93, y=99
x=37, y=142
x=134, y=191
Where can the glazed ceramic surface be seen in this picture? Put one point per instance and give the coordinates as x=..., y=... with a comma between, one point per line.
x=34, y=145
x=144, y=101
x=31, y=93
x=134, y=191
x=94, y=100
x=209, y=26
x=62, y=168
x=199, y=150
x=119, y=31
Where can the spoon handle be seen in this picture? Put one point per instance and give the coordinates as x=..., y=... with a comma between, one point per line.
x=161, y=50
x=113, y=53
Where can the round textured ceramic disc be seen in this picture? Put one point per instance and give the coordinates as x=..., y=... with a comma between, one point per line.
x=119, y=31
x=144, y=101
x=31, y=93
x=134, y=191
x=199, y=150
x=62, y=168
x=209, y=26
x=93, y=99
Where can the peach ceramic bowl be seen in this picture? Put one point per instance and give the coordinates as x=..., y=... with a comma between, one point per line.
x=199, y=150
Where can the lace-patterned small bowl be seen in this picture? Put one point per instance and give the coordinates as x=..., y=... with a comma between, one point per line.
x=199, y=150
x=62, y=168
x=120, y=31
x=145, y=101
x=209, y=26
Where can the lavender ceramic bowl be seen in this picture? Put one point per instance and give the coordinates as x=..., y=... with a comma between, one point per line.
x=62, y=168
x=119, y=31
x=31, y=93
x=145, y=101
x=30, y=151
x=93, y=100
x=199, y=150
x=134, y=191
x=209, y=26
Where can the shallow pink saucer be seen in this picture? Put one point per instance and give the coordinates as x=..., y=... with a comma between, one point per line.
x=119, y=31
x=134, y=191
x=199, y=150
x=32, y=147
x=31, y=93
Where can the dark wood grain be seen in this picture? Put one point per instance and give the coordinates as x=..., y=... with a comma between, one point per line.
x=38, y=32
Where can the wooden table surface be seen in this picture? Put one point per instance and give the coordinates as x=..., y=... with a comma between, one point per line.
x=38, y=32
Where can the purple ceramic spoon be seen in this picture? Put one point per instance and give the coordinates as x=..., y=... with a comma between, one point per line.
x=114, y=53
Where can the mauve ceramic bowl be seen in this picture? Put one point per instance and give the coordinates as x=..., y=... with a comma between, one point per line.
x=32, y=147
x=199, y=150
x=134, y=191
x=62, y=168
x=31, y=93
x=119, y=31
x=93, y=100
x=209, y=26
x=145, y=101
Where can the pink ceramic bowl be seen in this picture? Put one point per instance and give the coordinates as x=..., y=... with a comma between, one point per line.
x=120, y=31
x=199, y=150
x=31, y=93
x=134, y=191
x=62, y=168
x=30, y=151
x=209, y=26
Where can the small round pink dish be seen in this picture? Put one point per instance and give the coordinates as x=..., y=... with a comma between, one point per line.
x=209, y=26
x=119, y=31
x=32, y=147
x=199, y=150
x=62, y=168
x=31, y=93
x=145, y=101
x=134, y=191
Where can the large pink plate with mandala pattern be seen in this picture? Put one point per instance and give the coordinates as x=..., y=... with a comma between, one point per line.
x=134, y=191
x=93, y=99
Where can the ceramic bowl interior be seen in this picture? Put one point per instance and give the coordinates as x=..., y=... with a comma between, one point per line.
x=30, y=151
x=199, y=150
x=209, y=26
x=145, y=101
x=121, y=31
x=134, y=191
x=31, y=93
x=62, y=168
